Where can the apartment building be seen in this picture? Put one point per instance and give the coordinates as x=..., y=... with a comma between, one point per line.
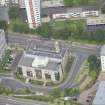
x=102, y=55
x=8, y=2
x=94, y=23
x=71, y=12
x=3, y=44
x=44, y=61
x=100, y=95
x=4, y=14
x=33, y=8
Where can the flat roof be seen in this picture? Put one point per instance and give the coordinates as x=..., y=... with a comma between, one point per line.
x=96, y=20
x=1, y=30
x=64, y=9
x=27, y=62
x=103, y=50
x=100, y=95
x=4, y=14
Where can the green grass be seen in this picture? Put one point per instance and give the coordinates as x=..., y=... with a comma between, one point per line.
x=38, y=98
x=5, y=90
x=72, y=3
x=84, y=72
x=73, y=25
x=36, y=82
x=23, y=91
x=68, y=68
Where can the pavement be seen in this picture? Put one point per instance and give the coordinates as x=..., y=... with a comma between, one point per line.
x=15, y=101
x=81, y=51
x=16, y=60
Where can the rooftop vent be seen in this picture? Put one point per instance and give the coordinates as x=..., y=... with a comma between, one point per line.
x=57, y=48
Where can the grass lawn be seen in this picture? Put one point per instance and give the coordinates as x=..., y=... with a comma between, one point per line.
x=73, y=25
x=81, y=2
x=68, y=68
x=36, y=82
x=84, y=73
x=36, y=97
x=23, y=91
x=16, y=25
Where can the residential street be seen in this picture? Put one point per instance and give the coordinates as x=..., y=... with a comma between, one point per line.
x=81, y=52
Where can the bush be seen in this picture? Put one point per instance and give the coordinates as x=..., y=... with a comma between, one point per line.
x=103, y=9
x=44, y=30
x=94, y=66
x=5, y=60
x=71, y=92
x=20, y=27
x=3, y=25
x=36, y=82
x=5, y=90
x=56, y=92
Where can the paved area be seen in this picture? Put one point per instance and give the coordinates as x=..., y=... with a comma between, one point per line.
x=16, y=60
x=14, y=101
x=84, y=95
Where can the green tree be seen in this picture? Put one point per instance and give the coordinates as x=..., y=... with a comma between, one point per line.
x=13, y=12
x=3, y=25
x=103, y=9
x=20, y=27
x=94, y=66
x=44, y=30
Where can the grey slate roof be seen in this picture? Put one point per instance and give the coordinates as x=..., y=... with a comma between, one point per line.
x=103, y=50
x=90, y=8
x=4, y=14
x=45, y=49
x=27, y=62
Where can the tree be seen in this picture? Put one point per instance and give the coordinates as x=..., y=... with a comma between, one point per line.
x=14, y=12
x=44, y=30
x=94, y=66
x=103, y=9
x=3, y=25
x=20, y=27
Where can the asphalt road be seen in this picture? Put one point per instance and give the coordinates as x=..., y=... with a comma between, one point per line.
x=81, y=52
x=14, y=101
x=16, y=60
